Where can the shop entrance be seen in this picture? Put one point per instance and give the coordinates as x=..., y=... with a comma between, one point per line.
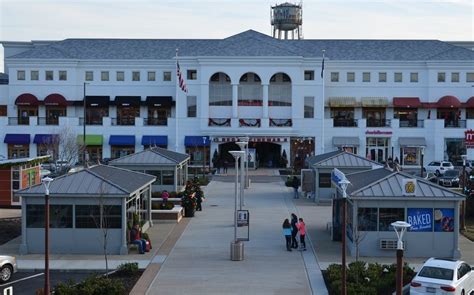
x=267, y=154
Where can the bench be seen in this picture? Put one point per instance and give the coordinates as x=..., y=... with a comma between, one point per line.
x=175, y=214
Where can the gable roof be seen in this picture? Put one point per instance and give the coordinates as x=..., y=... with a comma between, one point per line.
x=152, y=157
x=248, y=43
x=341, y=159
x=94, y=181
x=383, y=183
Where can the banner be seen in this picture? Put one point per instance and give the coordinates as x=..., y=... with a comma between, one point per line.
x=421, y=219
x=444, y=220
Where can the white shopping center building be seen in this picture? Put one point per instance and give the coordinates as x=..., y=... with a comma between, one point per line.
x=379, y=98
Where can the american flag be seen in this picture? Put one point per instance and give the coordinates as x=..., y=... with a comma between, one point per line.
x=181, y=82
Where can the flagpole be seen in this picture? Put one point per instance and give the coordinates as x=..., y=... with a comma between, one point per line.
x=176, y=141
x=323, y=101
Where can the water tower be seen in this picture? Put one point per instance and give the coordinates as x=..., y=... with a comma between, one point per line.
x=287, y=17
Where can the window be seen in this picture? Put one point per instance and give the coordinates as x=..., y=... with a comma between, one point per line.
x=413, y=78
x=156, y=173
x=89, y=76
x=309, y=107
x=112, y=216
x=441, y=77
x=438, y=273
x=120, y=76
x=309, y=75
x=324, y=179
x=3, y=110
x=62, y=75
x=34, y=75
x=350, y=77
x=166, y=76
x=192, y=75
x=151, y=76
x=136, y=76
x=382, y=77
x=89, y=216
x=104, y=76
x=49, y=75
x=192, y=106
x=366, y=77
x=334, y=77
x=168, y=177
x=60, y=216
x=398, y=77
x=469, y=77
x=367, y=219
x=389, y=215
x=20, y=75
x=35, y=216
x=454, y=77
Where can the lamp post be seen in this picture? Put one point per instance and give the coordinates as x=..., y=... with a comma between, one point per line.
x=242, y=145
x=236, y=247
x=464, y=188
x=246, y=139
x=422, y=155
x=400, y=228
x=343, y=184
x=46, y=182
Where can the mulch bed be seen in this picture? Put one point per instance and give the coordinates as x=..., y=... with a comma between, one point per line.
x=128, y=281
x=10, y=228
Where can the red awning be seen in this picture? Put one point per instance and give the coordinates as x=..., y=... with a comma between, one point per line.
x=55, y=99
x=27, y=99
x=448, y=101
x=406, y=102
x=469, y=103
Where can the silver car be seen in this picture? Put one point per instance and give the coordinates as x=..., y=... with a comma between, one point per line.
x=7, y=268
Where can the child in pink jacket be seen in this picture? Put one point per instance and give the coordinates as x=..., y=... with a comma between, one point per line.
x=302, y=230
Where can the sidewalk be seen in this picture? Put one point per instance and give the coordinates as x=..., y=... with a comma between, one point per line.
x=10, y=213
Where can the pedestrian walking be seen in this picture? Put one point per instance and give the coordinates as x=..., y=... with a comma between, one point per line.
x=199, y=199
x=295, y=183
x=302, y=230
x=287, y=233
x=226, y=164
x=294, y=231
x=218, y=166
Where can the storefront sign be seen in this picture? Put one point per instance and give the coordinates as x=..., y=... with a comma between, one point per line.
x=30, y=177
x=252, y=139
x=444, y=220
x=421, y=219
x=469, y=138
x=409, y=187
x=378, y=132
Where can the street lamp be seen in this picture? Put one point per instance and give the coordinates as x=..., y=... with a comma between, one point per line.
x=422, y=155
x=400, y=228
x=344, y=183
x=246, y=139
x=236, y=247
x=242, y=145
x=46, y=182
x=464, y=188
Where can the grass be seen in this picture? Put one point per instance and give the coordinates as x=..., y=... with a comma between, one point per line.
x=469, y=232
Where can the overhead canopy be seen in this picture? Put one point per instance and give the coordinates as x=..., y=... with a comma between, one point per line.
x=345, y=141
x=470, y=102
x=55, y=99
x=122, y=140
x=381, y=102
x=406, y=102
x=11, y=138
x=160, y=101
x=448, y=101
x=97, y=101
x=45, y=138
x=411, y=141
x=342, y=101
x=126, y=101
x=27, y=99
x=91, y=139
x=196, y=141
x=154, y=140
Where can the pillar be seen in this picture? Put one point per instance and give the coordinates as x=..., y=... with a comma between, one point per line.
x=124, y=248
x=150, y=217
x=265, y=101
x=235, y=101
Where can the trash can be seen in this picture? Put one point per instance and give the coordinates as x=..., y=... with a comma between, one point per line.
x=236, y=251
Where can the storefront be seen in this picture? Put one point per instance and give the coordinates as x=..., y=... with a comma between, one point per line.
x=406, y=110
x=347, y=144
x=159, y=110
x=198, y=148
x=454, y=148
x=47, y=144
x=97, y=107
x=149, y=141
x=56, y=106
x=93, y=146
x=27, y=105
x=18, y=145
x=121, y=145
x=342, y=111
x=378, y=148
x=128, y=108
x=410, y=150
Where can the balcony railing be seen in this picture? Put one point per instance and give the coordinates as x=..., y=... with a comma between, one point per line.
x=124, y=121
x=412, y=124
x=378, y=123
x=280, y=123
x=249, y=123
x=18, y=121
x=48, y=121
x=220, y=94
x=155, y=121
x=91, y=121
x=345, y=123
x=455, y=123
x=219, y=122
x=250, y=95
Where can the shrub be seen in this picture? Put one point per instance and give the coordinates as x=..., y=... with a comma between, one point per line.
x=92, y=286
x=167, y=206
x=128, y=269
x=173, y=194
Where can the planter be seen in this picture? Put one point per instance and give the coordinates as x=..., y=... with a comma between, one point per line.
x=174, y=214
x=189, y=211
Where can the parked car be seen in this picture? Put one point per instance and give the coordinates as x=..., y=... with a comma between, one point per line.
x=443, y=276
x=7, y=268
x=449, y=178
x=439, y=167
x=430, y=176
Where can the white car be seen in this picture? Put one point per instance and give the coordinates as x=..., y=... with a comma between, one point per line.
x=7, y=268
x=439, y=167
x=443, y=276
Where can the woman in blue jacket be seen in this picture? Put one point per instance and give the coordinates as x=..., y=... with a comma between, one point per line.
x=287, y=233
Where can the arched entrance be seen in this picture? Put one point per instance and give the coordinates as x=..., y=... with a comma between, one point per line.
x=268, y=155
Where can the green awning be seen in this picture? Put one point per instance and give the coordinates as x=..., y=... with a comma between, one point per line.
x=91, y=139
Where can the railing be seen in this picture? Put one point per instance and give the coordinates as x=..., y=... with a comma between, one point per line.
x=412, y=124
x=91, y=121
x=125, y=121
x=48, y=121
x=378, y=123
x=219, y=122
x=250, y=95
x=280, y=123
x=249, y=123
x=155, y=121
x=455, y=123
x=345, y=123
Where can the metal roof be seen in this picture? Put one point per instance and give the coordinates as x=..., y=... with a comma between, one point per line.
x=152, y=157
x=98, y=180
x=383, y=183
x=338, y=159
x=247, y=44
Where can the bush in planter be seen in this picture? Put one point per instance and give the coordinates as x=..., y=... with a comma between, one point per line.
x=166, y=206
x=172, y=194
x=156, y=194
x=92, y=286
x=128, y=269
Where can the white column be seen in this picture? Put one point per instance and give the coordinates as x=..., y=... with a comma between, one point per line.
x=265, y=101
x=235, y=101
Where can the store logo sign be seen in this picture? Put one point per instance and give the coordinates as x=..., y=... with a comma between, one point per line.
x=421, y=219
x=469, y=138
x=378, y=132
x=409, y=187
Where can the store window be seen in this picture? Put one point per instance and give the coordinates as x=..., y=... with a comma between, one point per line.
x=94, y=152
x=48, y=149
x=121, y=151
x=349, y=149
x=192, y=106
x=389, y=215
x=95, y=113
x=60, y=216
x=454, y=149
x=18, y=151
x=15, y=183
x=308, y=75
x=199, y=155
x=53, y=114
x=375, y=117
x=309, y=107
x=343, y=117
x=3, y=110
x=469, y=113
x=324, y=180
x=408, y=116
x=410, y=156
x=157, y=174
x=367, y=219
x=377, y=148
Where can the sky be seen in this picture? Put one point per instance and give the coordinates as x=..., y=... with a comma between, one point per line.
x=26, y=20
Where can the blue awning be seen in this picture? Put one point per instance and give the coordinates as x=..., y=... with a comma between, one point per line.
x=45, y=138
x=17, y=138
x=196, y=141
x=154, y=140
x=122, y=140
